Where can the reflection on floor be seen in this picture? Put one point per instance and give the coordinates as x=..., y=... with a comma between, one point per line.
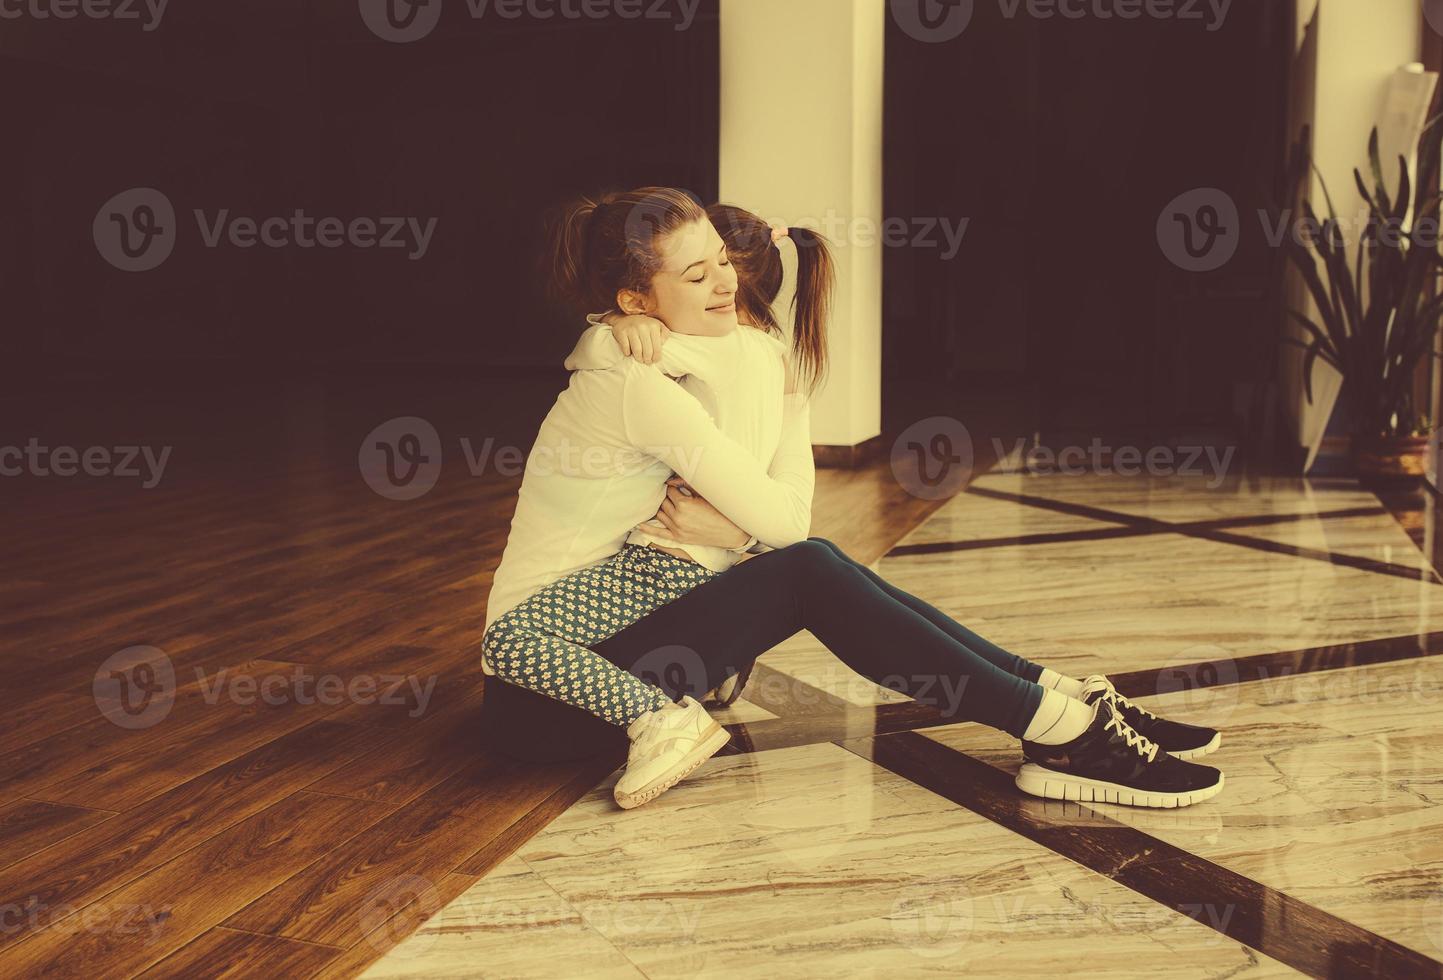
x=858, y=849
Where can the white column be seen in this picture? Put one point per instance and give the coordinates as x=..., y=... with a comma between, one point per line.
x=801, y=144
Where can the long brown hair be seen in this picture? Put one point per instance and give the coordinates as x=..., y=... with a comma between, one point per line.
x=759, y=282
x=600, y=246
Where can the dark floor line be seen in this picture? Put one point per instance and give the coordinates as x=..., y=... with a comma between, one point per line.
x=1020, y=540
x=1283, y=663
x=1123, y=531
x=1272, y=922
x=841, y=721
x=1152, y=525
x=1424, y=574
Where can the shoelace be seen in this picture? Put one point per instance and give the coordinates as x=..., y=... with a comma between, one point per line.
x=1135, y=739
x=1110, y=693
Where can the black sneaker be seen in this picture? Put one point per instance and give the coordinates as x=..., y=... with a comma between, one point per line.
x=1177, y=740
x=726, y=693
x=1111, y=763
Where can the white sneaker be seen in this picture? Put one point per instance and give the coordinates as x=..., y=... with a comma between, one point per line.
x=666, y=745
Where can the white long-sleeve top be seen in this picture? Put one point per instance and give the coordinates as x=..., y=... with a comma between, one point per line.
x=738, y=378
x=601, y=460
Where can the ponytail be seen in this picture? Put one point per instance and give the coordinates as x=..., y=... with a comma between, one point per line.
x=566, y=251
x=759, y=281
x=811, y=306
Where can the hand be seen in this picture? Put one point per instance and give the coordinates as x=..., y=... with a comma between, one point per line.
x=686, y=517
x=640, y=337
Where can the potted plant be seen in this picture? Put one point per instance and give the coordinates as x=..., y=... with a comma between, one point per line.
x=1379, y=317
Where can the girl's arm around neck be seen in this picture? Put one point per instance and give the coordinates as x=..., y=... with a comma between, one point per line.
x=774, y=504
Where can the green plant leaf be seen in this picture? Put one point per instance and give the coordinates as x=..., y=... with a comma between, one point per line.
x=1307, y=267
x=1405, y=191
x=1318, y=338
x=1308, y=361
x=1375, y=163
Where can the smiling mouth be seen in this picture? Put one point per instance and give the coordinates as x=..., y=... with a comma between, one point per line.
x=729, y=308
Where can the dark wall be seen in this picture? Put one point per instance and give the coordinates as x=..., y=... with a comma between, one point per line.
x=260, y=108
x=1063, y=140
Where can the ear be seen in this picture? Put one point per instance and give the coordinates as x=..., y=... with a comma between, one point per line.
x=631, y=302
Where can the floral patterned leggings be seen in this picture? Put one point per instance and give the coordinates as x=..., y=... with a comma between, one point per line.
x=542, y=643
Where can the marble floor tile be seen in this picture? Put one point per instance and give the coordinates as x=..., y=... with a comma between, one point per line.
x=1334, y=791
x=971, y=517
x=740, y=710
x=1184, y=497
x=808, y=862
x=514, y=926
x=806, y=659
x=1378, y=537
x=812, y=860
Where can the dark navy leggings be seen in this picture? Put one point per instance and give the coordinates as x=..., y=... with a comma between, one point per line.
x=693, y=643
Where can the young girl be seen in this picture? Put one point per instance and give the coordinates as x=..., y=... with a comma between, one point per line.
x=738, y=369
x=737, y=376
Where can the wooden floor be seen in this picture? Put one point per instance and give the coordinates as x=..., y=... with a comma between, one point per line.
x=314, y=749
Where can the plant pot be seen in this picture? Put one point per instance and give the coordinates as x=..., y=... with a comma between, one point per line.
x=1391, y=461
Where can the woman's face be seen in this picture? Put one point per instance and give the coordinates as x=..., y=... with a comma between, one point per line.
x=695, y=290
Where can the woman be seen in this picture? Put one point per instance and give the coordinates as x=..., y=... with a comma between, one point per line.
x=1081, y=740
x=571, y=573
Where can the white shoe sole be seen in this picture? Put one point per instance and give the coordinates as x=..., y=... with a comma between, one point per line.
x=1201, y=750
x=1052, y=785
x=704, y=750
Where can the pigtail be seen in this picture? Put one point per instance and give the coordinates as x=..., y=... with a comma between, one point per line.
x=811, y=306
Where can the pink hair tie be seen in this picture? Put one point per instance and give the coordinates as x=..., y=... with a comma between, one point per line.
x=779, y=233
